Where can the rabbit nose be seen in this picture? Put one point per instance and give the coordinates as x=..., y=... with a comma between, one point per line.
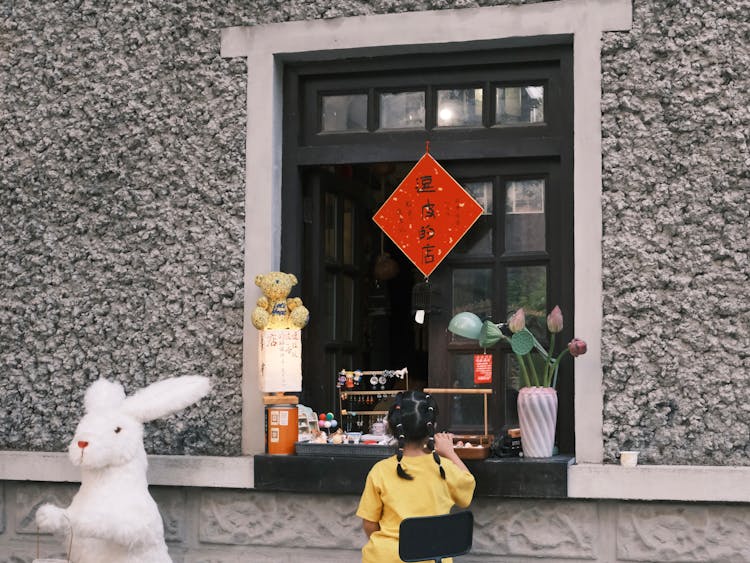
x=82, y=444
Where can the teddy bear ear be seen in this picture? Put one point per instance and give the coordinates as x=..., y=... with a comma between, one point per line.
x=259, y=279
x=293, y=279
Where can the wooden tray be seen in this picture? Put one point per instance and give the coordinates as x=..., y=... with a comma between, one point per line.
x=481, y=452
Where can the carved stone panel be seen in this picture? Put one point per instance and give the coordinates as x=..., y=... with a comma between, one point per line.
x=2, y=508
x=536, y=528
x=251, y=518
x=685, y=533
x=171, y=502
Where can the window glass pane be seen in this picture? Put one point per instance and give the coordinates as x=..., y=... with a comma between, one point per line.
x=459, y=108
x=482, y=192
x=402, y=110
x=471, y=291
x=344, y=113
x=478, y=239
x=527, y=288
x=330, y=226
x=524, y=215
x=347, y=308
x=330, y=311
x=519, y=105
x=348, y=228
x=465, y=409
x=512, y=385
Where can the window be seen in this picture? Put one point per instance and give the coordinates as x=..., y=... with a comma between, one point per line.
x=500, y=122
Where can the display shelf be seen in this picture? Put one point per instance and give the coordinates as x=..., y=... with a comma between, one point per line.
x=359, y=404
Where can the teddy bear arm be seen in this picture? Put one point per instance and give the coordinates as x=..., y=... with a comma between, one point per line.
x=263, y=303
x=260, y=318
x=293, y=302
x=299, y=316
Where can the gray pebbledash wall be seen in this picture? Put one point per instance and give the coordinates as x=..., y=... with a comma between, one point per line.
x=122, y=137
x=675, y=127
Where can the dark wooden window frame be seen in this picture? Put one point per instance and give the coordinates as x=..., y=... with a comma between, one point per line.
x=304, y=146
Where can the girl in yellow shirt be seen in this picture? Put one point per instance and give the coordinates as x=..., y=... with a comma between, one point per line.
x=425, y=477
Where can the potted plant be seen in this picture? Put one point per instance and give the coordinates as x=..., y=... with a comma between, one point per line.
x=537, y=398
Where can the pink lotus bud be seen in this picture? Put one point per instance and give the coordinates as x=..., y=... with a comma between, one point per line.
x=555, y=320
x=517, y=321
x=577, y=347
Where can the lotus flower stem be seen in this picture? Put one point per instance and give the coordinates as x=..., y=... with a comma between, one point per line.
x=537, y=381
x=548, y=363
x=524, y=373
x=557, y=365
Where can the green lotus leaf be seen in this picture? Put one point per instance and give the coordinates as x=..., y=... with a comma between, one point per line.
x=522, y=342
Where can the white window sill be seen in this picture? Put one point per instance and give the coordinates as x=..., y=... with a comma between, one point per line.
x=700, y=483
x=170, y=470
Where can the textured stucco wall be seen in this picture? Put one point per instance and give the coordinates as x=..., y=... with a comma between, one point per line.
x=122, y=137
x=676, y=188
x=122, y=205
x=122, y=198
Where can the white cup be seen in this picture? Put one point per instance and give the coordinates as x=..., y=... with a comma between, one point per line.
x=629, y=459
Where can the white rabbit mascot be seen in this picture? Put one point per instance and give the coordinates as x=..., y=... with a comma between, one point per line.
x=113, y=518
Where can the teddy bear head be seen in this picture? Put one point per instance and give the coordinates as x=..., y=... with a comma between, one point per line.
x=276, y=285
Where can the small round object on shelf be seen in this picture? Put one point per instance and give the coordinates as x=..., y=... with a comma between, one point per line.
x=322, y=416
x=329, y=416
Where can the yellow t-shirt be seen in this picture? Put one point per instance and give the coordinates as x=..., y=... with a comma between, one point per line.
x=388, y=499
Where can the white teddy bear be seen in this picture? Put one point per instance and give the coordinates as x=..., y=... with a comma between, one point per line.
x=112, y=517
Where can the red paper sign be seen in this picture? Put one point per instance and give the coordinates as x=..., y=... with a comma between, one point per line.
x=482, y=368
x=427, y=214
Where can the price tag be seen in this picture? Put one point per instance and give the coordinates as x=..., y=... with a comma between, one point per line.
x=482, y=368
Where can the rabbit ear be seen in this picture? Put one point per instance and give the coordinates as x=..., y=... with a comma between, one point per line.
x=165, y=397
x=103, y=395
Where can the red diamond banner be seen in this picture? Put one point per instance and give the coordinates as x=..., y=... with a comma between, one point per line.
x=427, y=214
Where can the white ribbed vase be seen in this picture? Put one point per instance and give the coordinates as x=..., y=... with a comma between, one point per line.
x=537, y=416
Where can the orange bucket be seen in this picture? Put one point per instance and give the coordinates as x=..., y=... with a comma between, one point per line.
x=282, y=429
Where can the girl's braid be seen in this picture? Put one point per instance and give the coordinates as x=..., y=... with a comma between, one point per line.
x=396, y=418
x=431, y=433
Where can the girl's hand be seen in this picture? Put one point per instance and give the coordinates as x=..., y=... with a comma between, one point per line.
x=444, y=444
x=444, y=448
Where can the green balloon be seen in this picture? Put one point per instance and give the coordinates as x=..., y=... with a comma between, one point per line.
x=522, y=342
x=489, y=335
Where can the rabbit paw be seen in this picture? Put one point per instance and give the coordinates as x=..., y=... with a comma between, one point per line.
x=51, y=518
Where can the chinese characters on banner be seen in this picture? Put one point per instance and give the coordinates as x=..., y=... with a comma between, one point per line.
x=482, y=368
x=427, y=214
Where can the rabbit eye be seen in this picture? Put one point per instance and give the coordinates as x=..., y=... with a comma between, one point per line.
x=117, y=430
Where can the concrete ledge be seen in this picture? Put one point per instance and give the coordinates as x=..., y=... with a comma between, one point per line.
x=660, y=482
x=177, y=471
